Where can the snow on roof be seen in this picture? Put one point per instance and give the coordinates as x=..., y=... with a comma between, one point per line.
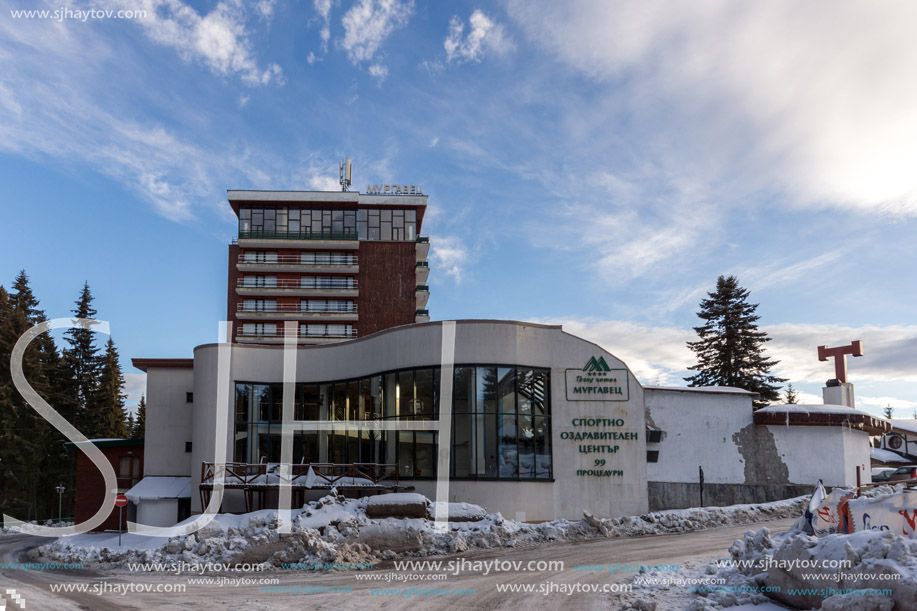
x=720, y=389
x=886, y=456
x=156, y=487
x=905, y=424
x=813, y=408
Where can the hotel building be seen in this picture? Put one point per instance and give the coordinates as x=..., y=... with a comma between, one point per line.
x=338, y=265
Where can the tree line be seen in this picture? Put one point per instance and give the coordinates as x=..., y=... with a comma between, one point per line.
x=80, y=380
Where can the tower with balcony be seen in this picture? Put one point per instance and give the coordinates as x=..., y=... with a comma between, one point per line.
x=339, y=265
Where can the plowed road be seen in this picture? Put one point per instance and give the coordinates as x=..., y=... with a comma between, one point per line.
x=701, y=546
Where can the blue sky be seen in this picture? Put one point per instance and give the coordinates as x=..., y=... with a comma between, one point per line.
x=596, y=164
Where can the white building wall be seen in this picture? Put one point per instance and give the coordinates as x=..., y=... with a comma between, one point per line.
x=157, y=512
x=477, y=342
x=698, y=429
x=830, y=454
x=168, y=421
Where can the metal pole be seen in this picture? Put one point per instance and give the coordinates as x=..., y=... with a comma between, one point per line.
x=120, y=509
x=858, y=481
x=701, y=472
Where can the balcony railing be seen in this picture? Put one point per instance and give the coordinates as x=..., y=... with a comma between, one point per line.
x=294, y=283
x=253, y=234
x=280, y=332
x=423, y=239
x=423, y=288
x=297, y=308
x=297, y=260
x=422, y=313
x=422, y=264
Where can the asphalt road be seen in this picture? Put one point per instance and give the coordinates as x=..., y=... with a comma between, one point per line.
x=700, y=546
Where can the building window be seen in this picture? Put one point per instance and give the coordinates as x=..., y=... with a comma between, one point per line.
x=259, y=305
x=326, y=330
x=189, y=397
x=259, y=256
x=187, y=446
x=501, y=425
x=328, y=282
x=258, y=281
x=259, y=329
x=327, y=305
x=305, y=223
x=128, y=471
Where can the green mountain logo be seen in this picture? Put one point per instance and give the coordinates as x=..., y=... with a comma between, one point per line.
x=597, y=365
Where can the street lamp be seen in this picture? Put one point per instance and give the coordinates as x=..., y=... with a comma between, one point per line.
x=60, y=501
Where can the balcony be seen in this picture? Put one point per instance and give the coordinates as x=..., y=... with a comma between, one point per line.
x=293, y=286
x=422, y=293
x=296, y=263
x=422, y=316
x=261, y=337
x=293, y=311
x=422, y=271
x=293, y=239
x=423, y=247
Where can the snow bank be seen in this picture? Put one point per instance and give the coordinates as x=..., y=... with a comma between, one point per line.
x=338, y=530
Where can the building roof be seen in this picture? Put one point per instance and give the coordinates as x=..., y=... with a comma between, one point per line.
x=108, y=442
x=154, y=487
x=821, y=415
x=904, y=425
x=145, y=364
x=887, y=456
x=726, y=390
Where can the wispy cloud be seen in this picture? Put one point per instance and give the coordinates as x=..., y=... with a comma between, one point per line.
x=776, y=94
x=449, y=255
x=218, y=40
x=485, y=35
x=323, y=8
x=366, y=26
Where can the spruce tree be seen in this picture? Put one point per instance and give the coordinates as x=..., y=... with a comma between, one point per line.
x=730, y=347
x=83, y=366
x=137, y=432
x=32, y=452
x=790, y=395
x=111, y=415
x=887, y=410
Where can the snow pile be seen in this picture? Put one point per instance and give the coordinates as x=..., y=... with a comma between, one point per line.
x=457, y=512
x=338, y=530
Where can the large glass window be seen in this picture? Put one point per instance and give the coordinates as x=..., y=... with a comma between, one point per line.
x=501, y=427
x=305, y=223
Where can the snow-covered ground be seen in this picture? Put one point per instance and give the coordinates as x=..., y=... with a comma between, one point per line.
x=337, y=530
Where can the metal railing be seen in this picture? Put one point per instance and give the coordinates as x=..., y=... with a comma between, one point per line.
x=280, y=332
x=281, y=308
x=423, y=239
x=422, y=264
x=254, y=234
x=422, y=313
x=296, y=283
x=297, y=260
x=423, y=287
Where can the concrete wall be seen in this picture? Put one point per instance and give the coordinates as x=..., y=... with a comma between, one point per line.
x=698, y=431
x=157, y=512
x=168, y=421
x=830, y=454
x=477, y=342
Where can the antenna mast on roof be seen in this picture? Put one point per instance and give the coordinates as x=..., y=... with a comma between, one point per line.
x=346, y=174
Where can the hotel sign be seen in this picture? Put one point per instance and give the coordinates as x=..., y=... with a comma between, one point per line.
x=597, y=382
x=394, y=189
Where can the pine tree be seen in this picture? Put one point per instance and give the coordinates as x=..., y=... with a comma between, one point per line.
x=140, y=423
x=887, y=410
x=730, y=347
x=83, y=366
x=790, y=396
x=32, y=452
x=111, y=415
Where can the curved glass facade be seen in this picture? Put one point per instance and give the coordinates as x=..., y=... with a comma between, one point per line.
x=501, y=426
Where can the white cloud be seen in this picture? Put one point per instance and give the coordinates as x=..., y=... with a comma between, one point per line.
x=323, y=8
x=134, y=387
x=485, y=35
x=219, y=39
x=243, y=100
x=369, y=22
x=449, y=255
x=659, y=354
x=378, y=71
x=434, y=141
x=799, y=98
